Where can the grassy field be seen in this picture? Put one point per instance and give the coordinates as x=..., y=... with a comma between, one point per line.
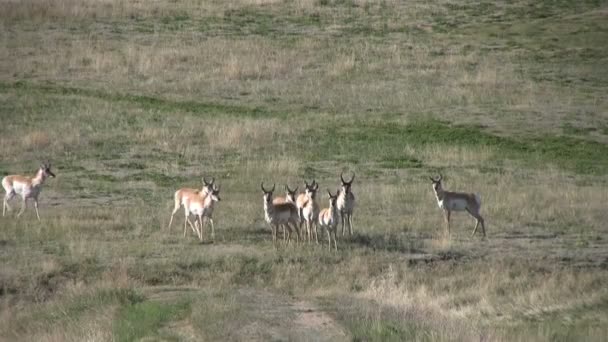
x=131, y=100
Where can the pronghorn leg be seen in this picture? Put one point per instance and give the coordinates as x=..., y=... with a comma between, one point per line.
x=479, y=220
x=342, y=219
x=212, y=229
x=316, y=231
x=36, y=207
x=335, y=239
x=447, y=220
x=200, y=232
x=23, y=206
x=175, y=209
x=273, y=232
x=185, y=220
x=7, y=197
x=350, y=224
x=328, y=238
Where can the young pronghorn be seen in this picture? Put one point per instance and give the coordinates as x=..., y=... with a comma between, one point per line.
x=184, y=194
x=302, y=200
x=310, y=213
x=282, y=214
x=26, y=187
x=346, y=203
x=201, y=206
x=458, y=201
x=290, y=196
x=328, y=219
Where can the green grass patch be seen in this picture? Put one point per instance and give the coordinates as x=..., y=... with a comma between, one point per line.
x=144, y=319
x=384, y=143
x=144, y=101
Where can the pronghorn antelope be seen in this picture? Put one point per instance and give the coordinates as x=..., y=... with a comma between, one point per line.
x=26, y=187
x=201, y=206
x=282, y=214
x=302, y=200
x=346, y=203
x=310, y=212
x=290, y=196
x=458, y=201
x=328, y=218
x=184, y=194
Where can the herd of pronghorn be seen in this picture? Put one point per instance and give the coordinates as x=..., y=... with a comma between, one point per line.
x=294, y=212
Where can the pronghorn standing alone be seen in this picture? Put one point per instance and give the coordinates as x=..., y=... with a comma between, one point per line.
x=458, y=201
x=282, y=214
x=26, y=187
x=202, y=206
x=328, y=218
x=346, y=203
x=184, y=194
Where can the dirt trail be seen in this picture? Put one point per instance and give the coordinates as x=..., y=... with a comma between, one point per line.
x=281, y=318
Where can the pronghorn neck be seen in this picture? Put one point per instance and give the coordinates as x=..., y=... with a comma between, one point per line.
x=39, y=178
x=440, y=194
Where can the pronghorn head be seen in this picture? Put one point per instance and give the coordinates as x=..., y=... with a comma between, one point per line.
x=215, y=194
x=267, y=193
x=311, y=190
x=45, y=168
x=208, y=186
x=291, y=194
x=346, y=185
x=333, y=200
x=437, y=183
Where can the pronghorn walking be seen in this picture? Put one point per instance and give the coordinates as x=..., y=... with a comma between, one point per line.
x=183, y=194
x=346, y=203
x=201, y=206
x=26, y=187
x=458, y=201
x=282, y=214
x=328, y=219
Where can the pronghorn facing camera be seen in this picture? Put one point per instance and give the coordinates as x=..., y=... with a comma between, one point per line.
x=310, y=212
x=346, y=203
x=290, y=196
x=328, y=219
x=303, y=198
x=282, y=214
x=184, y=194
x=458, y=201
x=26, y=187
x=201, y=206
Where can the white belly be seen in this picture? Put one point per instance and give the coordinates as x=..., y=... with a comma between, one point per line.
x=453, y=205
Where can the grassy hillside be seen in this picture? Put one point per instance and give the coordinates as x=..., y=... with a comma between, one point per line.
x=131, y=100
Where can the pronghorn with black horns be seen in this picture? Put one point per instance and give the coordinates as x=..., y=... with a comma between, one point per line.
x=201, y=206
x=328, y=219
x=282, y=214
x=458, y=201
x=182, y=195
x=346, y=203
x=26, y=187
